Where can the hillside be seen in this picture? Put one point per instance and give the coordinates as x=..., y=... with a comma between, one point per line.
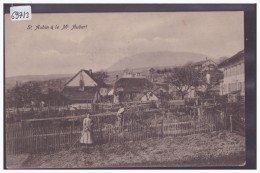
x=11, y=81
x=138, y=63
x=156, y=59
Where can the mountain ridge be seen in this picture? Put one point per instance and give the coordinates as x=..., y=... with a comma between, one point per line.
x=156, y=59
x=139, y=62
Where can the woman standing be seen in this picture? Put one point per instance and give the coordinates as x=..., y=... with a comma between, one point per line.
x=86, y=137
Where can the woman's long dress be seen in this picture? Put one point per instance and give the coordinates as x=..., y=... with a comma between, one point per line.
x=86, y=137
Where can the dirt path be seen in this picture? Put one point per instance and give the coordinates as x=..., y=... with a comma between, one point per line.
x=216, y=148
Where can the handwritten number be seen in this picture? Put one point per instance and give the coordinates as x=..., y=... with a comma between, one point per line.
x=27, y=13
x=19, y=15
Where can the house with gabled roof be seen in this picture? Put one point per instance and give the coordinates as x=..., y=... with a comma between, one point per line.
x=83, y=87
x=127, y=88
x=205, y=65
x=233, y=83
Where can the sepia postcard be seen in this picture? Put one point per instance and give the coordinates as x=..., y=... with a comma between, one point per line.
x=125, y=90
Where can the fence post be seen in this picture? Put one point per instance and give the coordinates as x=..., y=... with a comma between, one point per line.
x=155, y=125
x=36, y=142
x=226, y=117
x=49, y=108
x=70, y=136
x=162, y=126
x=231, y=123
x=14, y=139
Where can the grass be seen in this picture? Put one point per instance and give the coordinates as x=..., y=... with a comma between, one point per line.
x=206, y=149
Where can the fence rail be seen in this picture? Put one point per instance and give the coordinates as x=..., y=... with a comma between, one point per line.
x=20, y=114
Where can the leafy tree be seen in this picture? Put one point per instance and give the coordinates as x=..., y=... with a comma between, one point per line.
x=24, y=94
x=101, y=75
x=151, y=70
x=55, y=97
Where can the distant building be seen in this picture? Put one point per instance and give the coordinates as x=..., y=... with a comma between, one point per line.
x=205, y=65
x=149, y=97
x=127, y=88
x=210, y=70
x=161, y=87
x=129, y=74
x=234, y=76
x=84, y=88
x=146, y=97
x=211, y=77
x=191, y=93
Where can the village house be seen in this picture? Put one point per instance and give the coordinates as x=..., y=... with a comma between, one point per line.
x=210, y=70
x=129, y=86
x=160, y=91
x=210, y=78
x=146, y=97
x=233, y=83
x=205, y=65
x=84, y=88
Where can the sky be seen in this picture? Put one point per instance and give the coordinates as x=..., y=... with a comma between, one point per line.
x=110, y=37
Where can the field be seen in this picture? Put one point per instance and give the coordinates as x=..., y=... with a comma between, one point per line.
x=205, y=149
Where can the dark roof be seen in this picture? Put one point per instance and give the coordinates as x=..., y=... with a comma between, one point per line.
x=203, y=61
x=98, y=81
x=74, y=94
x=233, y=59
x=133, y=84
x=164, y=86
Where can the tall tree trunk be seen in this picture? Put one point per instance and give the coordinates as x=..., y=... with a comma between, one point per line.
x=183, y=95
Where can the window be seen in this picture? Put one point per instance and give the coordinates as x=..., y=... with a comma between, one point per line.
x=226, y=72
x=241, y=86
x=81, y=85
x=234, y=87
x=240, y=69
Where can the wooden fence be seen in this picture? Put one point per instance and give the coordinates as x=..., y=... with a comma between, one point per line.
x=21, y=139
x=19, y=114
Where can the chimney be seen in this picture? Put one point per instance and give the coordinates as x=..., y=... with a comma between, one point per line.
x=117, y=77
x=90, y=71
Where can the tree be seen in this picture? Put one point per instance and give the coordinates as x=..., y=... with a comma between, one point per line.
x=183, y=78
x=151, y=70
x=101, y=75
x=24, y=94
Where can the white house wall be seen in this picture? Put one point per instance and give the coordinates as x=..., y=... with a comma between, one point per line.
x=88, y=81
x=147, y=97
x=234, y=79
